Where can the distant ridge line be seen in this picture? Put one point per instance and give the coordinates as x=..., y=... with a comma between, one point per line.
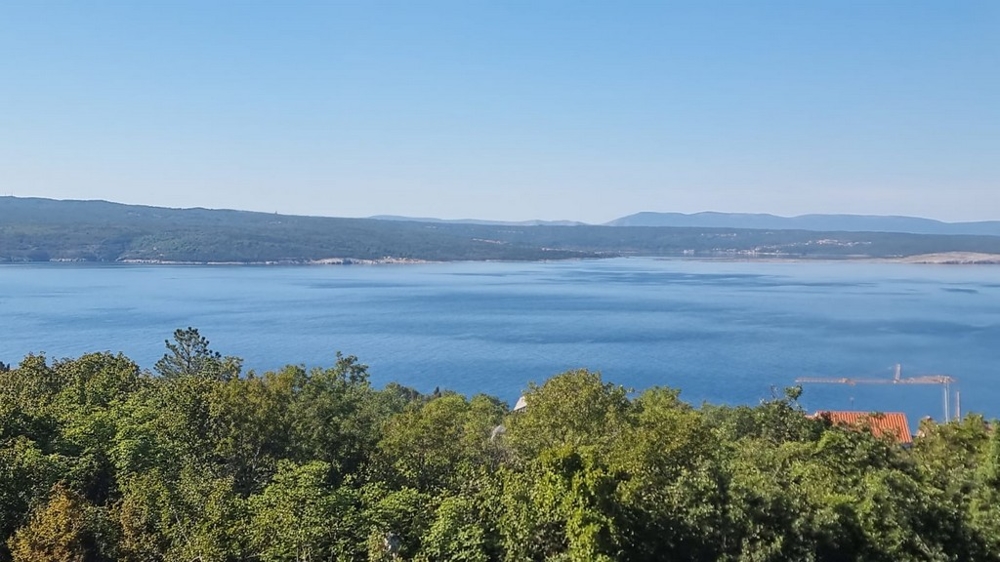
x=535, y=222
x=705, y=219
x=815, y=222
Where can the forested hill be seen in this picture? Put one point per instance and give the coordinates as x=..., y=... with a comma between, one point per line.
x=44, y=229
x=101, y=461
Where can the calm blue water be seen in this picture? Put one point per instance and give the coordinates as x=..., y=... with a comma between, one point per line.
x=721, y=331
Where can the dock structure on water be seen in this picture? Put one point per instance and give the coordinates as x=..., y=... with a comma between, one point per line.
x=946, y=382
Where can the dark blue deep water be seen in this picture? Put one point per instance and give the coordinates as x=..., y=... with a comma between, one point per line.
x=726, y=332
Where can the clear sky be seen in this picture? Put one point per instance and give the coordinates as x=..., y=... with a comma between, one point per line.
x=508, y=110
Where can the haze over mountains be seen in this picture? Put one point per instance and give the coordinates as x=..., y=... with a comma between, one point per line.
x=537, y=222
x=759, y=221
x=819, y=222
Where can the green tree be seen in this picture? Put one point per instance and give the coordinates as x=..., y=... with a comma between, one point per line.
x=948, y=455
x=194, y=516
x=457, y=532
x=27, y=396
x=670, y=481
x=335, y=415
x=93, y=385
x=573, y=408
x=985, y=503
x=249, y=430
x=96, y=380
x=190, y=355
x=562, y=507
x=439, y=444
x=27, y=475
x=299, y=517
x=404, y=514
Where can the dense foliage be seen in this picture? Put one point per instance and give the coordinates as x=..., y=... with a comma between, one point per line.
x=43, y=230
x=100, y=460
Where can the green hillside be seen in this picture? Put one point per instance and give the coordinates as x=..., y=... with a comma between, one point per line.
x=44, y=229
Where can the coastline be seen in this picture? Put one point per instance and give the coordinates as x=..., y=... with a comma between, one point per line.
x=323, y=261
x=946, y=258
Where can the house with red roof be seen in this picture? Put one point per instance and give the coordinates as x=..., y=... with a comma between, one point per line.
x=881, y=424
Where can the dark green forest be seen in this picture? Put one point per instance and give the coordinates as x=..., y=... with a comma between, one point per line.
x=33, y=230
x=101, y=460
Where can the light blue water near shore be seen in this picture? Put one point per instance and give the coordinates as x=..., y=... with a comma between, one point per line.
x=721, y=331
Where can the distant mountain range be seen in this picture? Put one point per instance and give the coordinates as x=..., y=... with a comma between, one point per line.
x=38, y=230
x=477, y=221
x=824, y=223
x=756, y=221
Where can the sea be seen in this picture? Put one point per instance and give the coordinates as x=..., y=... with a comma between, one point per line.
x=724, y=332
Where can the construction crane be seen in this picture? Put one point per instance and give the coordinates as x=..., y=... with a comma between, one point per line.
x=944, y=380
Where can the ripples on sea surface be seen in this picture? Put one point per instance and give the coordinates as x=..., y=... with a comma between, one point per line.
x=725, y=332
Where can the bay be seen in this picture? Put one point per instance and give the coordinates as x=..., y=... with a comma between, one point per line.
x=723, y=332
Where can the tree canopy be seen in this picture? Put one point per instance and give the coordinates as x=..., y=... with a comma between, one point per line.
x=101, y=460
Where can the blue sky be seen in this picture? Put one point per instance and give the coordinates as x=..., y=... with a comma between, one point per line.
x=506, y=110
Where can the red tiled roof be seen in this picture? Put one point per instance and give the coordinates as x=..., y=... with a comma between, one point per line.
x=891, y=424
